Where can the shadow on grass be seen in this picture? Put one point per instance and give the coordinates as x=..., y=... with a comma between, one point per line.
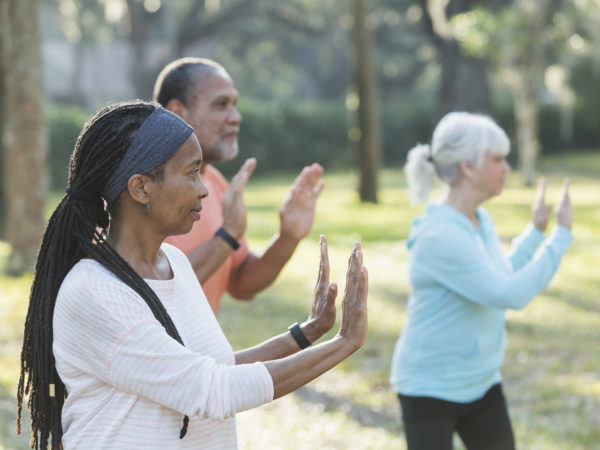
x=367, y=417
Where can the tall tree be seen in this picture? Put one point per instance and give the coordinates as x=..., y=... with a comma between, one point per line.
x=463, y=84
x=4, y=48
x=24, y=146
x=520, y=41
x=368, y=138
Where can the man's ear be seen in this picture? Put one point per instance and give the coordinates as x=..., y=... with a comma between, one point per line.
x=177, y=107
x=136, y=186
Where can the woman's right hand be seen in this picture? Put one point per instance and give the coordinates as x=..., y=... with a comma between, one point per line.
x=354, y=320
x=562, y=210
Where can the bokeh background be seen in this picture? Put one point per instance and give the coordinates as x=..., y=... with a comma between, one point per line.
x=352, y=84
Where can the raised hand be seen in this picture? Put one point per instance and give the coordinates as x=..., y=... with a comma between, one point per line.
x=322, y=314
x=562, y=210
x=297, y=212
x=540, y=211
x=354, y=322
x=234, y=208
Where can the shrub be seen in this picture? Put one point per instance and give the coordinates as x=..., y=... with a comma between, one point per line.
x=63, y=124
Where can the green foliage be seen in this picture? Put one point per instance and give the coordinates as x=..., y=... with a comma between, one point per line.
x=284, y=136
x=287, y=136
x=64, y=125
x=474, y=30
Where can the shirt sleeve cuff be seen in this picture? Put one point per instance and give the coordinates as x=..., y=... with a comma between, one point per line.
x=251, y=386
x=561, y=238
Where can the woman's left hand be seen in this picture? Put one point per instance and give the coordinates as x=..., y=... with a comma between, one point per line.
x=540, y=211
x=322, y=314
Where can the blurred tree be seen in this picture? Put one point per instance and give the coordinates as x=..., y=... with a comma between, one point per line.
x=4, y=49
x=367, y=128
x=24, y=146
x=522, y=42
x=463, y=85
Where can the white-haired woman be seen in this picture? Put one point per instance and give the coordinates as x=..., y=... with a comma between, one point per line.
x=446, y=364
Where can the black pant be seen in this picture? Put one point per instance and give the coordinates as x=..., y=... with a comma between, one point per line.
x=482, y=425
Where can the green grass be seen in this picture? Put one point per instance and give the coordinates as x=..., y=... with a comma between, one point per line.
x=552, y=366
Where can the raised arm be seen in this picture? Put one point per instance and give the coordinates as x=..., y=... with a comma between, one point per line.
x=207, y=257
x=319, y=322
x=296, y=218
x=524, y=245
x=293, y=371
x=463, y=266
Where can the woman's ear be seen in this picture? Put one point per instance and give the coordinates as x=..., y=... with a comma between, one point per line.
x=467, y=169
x=136, y=186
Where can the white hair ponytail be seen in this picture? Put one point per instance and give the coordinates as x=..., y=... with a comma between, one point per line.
x=420, y=174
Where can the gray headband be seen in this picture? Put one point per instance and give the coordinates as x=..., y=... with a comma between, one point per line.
x=159, y=137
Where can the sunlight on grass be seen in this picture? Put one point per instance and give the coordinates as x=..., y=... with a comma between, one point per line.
x=552, y=368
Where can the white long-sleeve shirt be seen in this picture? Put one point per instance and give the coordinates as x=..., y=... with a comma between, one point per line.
x=129, y=383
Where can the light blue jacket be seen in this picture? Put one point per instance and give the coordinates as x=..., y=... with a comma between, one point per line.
x=453, y=341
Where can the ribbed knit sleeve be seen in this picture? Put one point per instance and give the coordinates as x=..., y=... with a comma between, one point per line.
x=459, y=262
x=129, y=381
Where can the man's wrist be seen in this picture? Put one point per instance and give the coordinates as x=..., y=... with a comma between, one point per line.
x=287, y=240
x=228, y=238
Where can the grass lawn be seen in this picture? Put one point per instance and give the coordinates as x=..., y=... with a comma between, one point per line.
x=552, y=366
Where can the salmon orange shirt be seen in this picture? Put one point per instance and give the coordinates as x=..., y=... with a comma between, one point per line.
x=204, y=229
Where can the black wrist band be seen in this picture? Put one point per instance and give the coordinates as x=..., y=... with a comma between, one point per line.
x=223, y=234
x=299, y=336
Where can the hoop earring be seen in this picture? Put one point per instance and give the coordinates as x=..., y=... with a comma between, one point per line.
x=146, y=208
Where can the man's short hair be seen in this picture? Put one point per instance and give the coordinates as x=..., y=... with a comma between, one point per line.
x=179, y=78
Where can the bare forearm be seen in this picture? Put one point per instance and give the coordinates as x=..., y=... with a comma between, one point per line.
x=278, y=346
x=207, y=257
x=296, y=370
x=256, y=273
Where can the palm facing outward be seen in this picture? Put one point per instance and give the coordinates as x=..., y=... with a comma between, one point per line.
x=353, y=325
x=298, y=210
x=234, y=208
x=322, y=314
x=540, y=211
x=562, y=210
x=354, y=321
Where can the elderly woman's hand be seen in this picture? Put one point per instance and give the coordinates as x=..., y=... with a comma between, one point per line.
x=322, y=314
x=353, y=326
x=562, y=210
x=540, y=211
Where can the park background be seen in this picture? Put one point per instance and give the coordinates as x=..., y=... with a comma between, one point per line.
x=352, y=85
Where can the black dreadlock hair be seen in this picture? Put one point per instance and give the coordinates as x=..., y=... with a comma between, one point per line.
x=78, y=229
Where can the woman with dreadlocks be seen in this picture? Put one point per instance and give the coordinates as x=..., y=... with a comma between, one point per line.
x=121, y=348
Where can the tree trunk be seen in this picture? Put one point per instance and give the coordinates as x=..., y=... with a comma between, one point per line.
x=464, y=84
x=137, y=39
x=369, y=141
x=25, y=175
x=4, y=49
x=528, y=146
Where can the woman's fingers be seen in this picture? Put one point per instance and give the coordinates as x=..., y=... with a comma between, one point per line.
x=323, y=278
x=564, y=197
x=541, y=191
x=354, y=311
x=564, y=215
